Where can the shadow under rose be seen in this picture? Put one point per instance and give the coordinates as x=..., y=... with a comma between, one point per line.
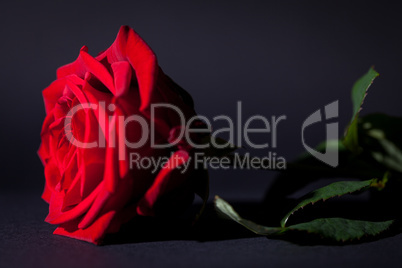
x=211, y=227
x=208, y=228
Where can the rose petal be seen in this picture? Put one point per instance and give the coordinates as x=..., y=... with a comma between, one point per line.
x=98, y=70
x=107, y=201
x=72, y=197
x=52, y=174
x=111, y=173
x=77, y=67
x=116, y=52
x=96, y=207
x=57, y=216
x=93, y=234
x=52, y=94
x=122, y=77
x=47, y=193
x=163, y=183
x=145, y=65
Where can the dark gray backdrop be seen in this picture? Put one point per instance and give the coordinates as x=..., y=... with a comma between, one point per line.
x=278, y=57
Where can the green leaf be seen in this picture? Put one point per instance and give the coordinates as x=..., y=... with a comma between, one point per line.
x=329, y=191
x=351, y=140
x=380, y=137
x=360, y=88
x=338, y=229
x=359, y=92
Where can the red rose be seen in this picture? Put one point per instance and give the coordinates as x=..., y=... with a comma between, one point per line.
x=96, y=110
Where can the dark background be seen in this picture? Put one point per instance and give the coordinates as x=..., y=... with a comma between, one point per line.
x=278, y=57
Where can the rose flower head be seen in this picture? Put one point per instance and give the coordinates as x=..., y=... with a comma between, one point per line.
x=104, y=115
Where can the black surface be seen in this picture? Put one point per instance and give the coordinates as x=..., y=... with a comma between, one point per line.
x=27, y=241
x=282, y=57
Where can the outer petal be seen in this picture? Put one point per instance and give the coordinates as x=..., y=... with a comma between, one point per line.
x=52, y=94
x=93, y=234
x=47, y=193
x=57, y=216
x=117, y=51
x=163, y=183
x=111, y=173
x=145, y=65
x=77, y=67
x=107, y=201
